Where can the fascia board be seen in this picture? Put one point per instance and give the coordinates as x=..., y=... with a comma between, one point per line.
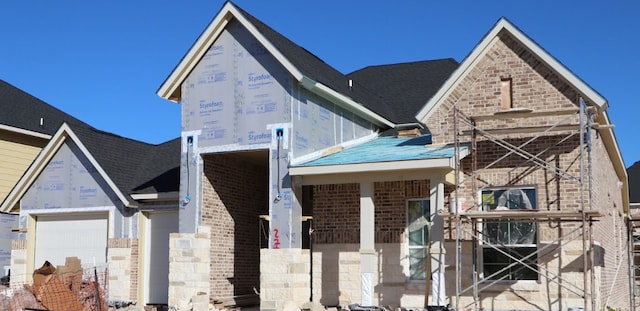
x=24, y=132
x=401, y=175
x=195, y=53
x=571, y=78
x=467, y=65
x=157, y=196
x=372, y=167
x=206, y=39
x=613, y=149
x=482, y=48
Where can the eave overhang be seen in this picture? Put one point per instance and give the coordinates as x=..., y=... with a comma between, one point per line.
x=501, y=27
x=432, y=168
x=170, y=88
x=24, y=132
x=588, y=94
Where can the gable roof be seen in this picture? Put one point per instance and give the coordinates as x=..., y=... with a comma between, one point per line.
x=310, y=71
x=503, y=26
x=405, y=87
x=126, y=165
x=589, y=95
x=22, y=112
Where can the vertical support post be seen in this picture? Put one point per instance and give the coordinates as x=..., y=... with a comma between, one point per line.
x=436, y=246
x=585, y=249
x=367, y=243
x=457, y=213
x=587, y=138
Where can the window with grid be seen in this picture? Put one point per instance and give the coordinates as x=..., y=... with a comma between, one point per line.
x=509, y=245
x=418, y=218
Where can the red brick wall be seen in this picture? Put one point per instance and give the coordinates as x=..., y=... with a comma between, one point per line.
x=336, y=210
x=234, y=194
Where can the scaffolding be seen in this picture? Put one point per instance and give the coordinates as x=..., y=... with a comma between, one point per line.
x=634, y=246
x=565, y=125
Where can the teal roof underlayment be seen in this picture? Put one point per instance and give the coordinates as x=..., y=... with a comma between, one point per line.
x=387, y=149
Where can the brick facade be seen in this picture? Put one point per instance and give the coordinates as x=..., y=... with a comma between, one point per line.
x=336, y=257
x=235, y=193
x=336, y=261
x=336, y=210
x=535, y=87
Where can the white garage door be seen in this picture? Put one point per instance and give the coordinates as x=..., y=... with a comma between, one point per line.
x=161, y=224
x=82, y=236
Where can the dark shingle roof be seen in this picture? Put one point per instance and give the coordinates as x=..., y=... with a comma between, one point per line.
x=134, y=166
x=316, y=69
x=406, y=87
x=633, y=173
x=396, y=92
x=24, y=111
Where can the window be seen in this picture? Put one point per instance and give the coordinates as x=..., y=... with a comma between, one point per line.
x=418, y=218
x=505, y=241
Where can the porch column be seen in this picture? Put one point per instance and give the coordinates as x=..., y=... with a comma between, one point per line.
x=367, y=243
x=436, y=248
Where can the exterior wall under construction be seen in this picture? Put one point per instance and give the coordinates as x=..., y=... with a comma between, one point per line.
x=244, y=120
x=561, y=167
x=336, y=237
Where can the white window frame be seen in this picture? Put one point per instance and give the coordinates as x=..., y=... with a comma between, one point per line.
x=488, y=246
x=425, y=246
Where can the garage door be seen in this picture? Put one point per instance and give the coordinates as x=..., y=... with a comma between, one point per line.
x=82, y=236
x=161, y=224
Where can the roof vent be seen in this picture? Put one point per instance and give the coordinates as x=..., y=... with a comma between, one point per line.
x=350, y=85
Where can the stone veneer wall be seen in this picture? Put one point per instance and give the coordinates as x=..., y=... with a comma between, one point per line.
x=123, y=269
x=337, y=281
x=336, y=237
x=189, y=267
x=284, y=278
x=18, y=261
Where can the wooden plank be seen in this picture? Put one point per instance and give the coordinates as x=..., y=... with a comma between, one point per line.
x=527, y=214
x=528, y=130
x=523, y=113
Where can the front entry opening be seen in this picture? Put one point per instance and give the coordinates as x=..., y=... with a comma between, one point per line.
x=235, y=194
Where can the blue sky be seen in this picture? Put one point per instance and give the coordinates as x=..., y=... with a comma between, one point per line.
x=102, y=61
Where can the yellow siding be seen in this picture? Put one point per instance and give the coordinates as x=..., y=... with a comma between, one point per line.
x=17, y=152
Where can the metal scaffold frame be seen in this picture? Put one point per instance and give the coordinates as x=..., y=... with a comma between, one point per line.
x=467, y=133
x=634, y=246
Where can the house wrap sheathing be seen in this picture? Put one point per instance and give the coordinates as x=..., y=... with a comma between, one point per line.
x=299, y=183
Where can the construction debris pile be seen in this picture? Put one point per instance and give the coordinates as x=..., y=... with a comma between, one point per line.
x=65, y=288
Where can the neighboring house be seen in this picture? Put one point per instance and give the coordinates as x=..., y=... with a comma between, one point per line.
x=272, y=134
x=26, y=125
x=633, y=172
x=108, y=200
